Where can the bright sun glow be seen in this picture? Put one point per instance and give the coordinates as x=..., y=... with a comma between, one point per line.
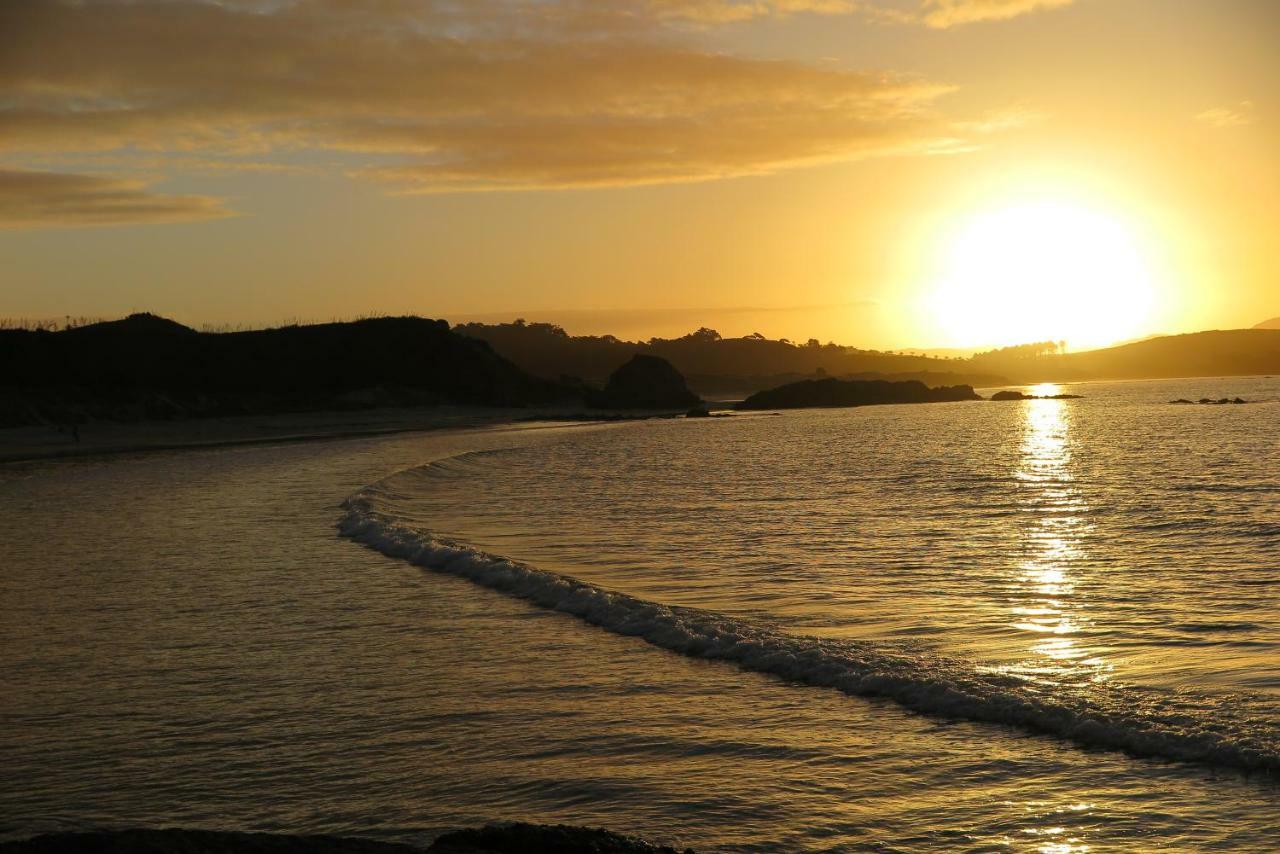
x=1043, y=272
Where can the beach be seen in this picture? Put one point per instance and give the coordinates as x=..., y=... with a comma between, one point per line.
x=106, y=437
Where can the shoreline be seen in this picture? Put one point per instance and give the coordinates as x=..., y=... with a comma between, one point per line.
x=498, y=838
x=36, y=444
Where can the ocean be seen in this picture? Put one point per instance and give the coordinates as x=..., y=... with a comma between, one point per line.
x=1043, y=626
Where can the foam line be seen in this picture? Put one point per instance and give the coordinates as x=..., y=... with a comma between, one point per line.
x=1139, y=721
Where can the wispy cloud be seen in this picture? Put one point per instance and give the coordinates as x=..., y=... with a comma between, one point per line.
x=447, y=96
x=41, y=199
x=999, y=121
x=1236, y=115
x=465, y=100
x=725, y=11
x=942, y=14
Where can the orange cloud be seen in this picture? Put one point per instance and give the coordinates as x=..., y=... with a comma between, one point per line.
x=942, y=14
x=1236, y=115
x=544, y=95
x=39, y=199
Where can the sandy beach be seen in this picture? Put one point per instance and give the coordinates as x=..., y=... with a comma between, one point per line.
x=19, y=444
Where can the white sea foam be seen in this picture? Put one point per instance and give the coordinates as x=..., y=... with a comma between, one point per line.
x=1213, y=729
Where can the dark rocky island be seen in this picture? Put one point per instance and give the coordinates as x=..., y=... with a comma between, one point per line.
x=1017, y=395
x=839, y=393
x=645, y=382
x=1208, y=401
x=494, y=839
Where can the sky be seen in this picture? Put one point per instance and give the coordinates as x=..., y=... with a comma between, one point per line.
x=882, y=173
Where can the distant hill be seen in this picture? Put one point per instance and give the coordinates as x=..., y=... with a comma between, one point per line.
x=713, y=365
x=1273, y=323
x=148, y=367
x=717, y=366
x=1233, y=352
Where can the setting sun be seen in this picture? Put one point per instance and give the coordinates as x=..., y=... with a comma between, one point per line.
x=1043, y=271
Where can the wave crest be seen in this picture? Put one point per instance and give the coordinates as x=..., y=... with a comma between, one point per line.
x=1137, y=720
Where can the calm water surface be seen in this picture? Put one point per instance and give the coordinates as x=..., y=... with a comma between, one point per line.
x=968, y=627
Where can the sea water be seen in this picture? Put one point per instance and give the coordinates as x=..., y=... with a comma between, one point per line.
x=1047, y=625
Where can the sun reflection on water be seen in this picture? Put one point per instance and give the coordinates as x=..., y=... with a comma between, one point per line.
x=1047, y=606
x=1045, y=390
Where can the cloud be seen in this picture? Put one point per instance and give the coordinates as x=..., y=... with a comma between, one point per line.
x=1236, y=115
x=724, y=11
x=39, y=199
x=1000, y=121
x=440, y=95
x=942, y=14
x=544, y=95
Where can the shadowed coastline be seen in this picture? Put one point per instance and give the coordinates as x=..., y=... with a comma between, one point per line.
x=147, y=368
x=518, y=838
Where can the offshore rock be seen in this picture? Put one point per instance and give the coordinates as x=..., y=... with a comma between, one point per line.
x=544, y=839
x=834, y=393
x=1017, y=395
x=645, y=382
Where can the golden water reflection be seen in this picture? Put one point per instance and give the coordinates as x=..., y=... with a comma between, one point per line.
x=1046, y=604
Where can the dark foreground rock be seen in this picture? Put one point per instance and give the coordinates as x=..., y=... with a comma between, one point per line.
x=178, y=841
x=833, y=392
x=495, y=839
x=1017, y=395
x=645, y=382
x=544, y=839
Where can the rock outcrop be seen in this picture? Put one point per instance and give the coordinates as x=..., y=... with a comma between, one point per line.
x=1208, y=401
x=544, y=839
x=1017, y=395
x=837, y=393
x=645, y=382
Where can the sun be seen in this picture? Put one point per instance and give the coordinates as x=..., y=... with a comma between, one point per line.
x=1042, y=271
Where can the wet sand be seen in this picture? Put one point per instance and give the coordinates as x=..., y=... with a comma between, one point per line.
x=46, y=442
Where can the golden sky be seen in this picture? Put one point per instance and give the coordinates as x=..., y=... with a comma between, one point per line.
x=886, y=173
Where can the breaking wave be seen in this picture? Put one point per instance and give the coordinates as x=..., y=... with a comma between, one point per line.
x=1142, y=721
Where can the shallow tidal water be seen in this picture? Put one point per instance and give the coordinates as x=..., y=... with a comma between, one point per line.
x=1044, y=626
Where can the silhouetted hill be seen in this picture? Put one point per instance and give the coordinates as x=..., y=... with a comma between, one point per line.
x=135, y=325
x=832, y=392
x=148, y=367
x=1273, y=323
x=716, y=366
x=1237, y=352
x=712, y=364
